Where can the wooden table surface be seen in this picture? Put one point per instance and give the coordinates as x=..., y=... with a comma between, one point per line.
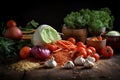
x=105, y=69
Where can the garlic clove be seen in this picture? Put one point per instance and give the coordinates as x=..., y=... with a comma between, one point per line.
x=79, y=61
x=90, y=58
x=88, y=64
x=50, y=63
x=68, y=65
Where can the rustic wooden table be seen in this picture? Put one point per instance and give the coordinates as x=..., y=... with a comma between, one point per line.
x=105, y=69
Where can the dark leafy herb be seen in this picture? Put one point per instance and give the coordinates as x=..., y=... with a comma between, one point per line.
x=95, y=19
x=85, y=14
x=71, y=19
x=10, y=48
x=77, y=19
x=30, y=25
x=2, y=28
x=22, y=43
x=101, y=18
x=7, y=49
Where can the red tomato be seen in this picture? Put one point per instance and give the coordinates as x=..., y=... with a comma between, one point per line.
x=25, y=52
x=93, y=39
x=71, y=39
x=81, y=44
x=92, y=48
x=107, y=52
x=99, y=38
x=89, y=51
x=96, y=56
x=81, y=51
x=51, y=47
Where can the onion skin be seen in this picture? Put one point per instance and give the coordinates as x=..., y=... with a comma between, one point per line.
x=13, y=33
x=40, y=52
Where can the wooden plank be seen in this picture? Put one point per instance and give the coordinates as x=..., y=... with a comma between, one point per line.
x=6, y=74
x=105, y=69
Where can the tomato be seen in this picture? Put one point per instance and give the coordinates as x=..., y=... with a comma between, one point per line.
x=71, y=39
x=96, y=56
x=81, y=44
x=107, y=52
x=81, y=51
x=93, y=39
x=99, y=38
x=51, y=47
x=92, y=48
x=89, y=51
x=25, y=52
x=11, y=23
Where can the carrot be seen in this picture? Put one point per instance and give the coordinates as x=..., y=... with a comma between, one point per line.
x=61, y=43
x=57, y=50
x=26, y=37
x=28, y=32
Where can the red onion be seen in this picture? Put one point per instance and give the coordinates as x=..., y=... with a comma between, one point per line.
x=40, y=52
x=13, y=33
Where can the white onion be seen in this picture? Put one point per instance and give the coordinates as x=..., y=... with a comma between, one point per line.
x=113, y=33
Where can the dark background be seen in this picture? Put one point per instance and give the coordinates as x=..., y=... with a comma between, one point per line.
x=52, y=13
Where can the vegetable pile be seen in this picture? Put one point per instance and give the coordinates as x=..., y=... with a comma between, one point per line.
x=12, y=40
x=49, y=49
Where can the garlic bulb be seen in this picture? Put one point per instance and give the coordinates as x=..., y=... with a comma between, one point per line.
x=88, y=64
x=79, y=61
x=50, y=63
x=68, y=65
x=92, y=59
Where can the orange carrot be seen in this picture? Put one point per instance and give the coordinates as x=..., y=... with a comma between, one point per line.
x=26, y=37
x=57, y=50
x=61, y=43
x=29, y=32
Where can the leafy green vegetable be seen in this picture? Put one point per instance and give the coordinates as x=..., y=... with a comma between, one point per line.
x=85, y=14
x=95, y=19
x=10, y=48
x=30, y=25
x=101, y=18
x=77, y=19
x=71, y=19
x=7, y=49
x=2, y=28
x=45, y=34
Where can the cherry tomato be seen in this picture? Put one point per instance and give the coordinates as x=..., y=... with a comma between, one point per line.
x=71, y=39
x=51, y=47
x=89, y=51
x=96, y=56
x=81, y=51
x=81, y=44
x=92, y=48
x=11, y=23
x=107, y=52
x=99, y=38
x=25, y=52
x=93, y=39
